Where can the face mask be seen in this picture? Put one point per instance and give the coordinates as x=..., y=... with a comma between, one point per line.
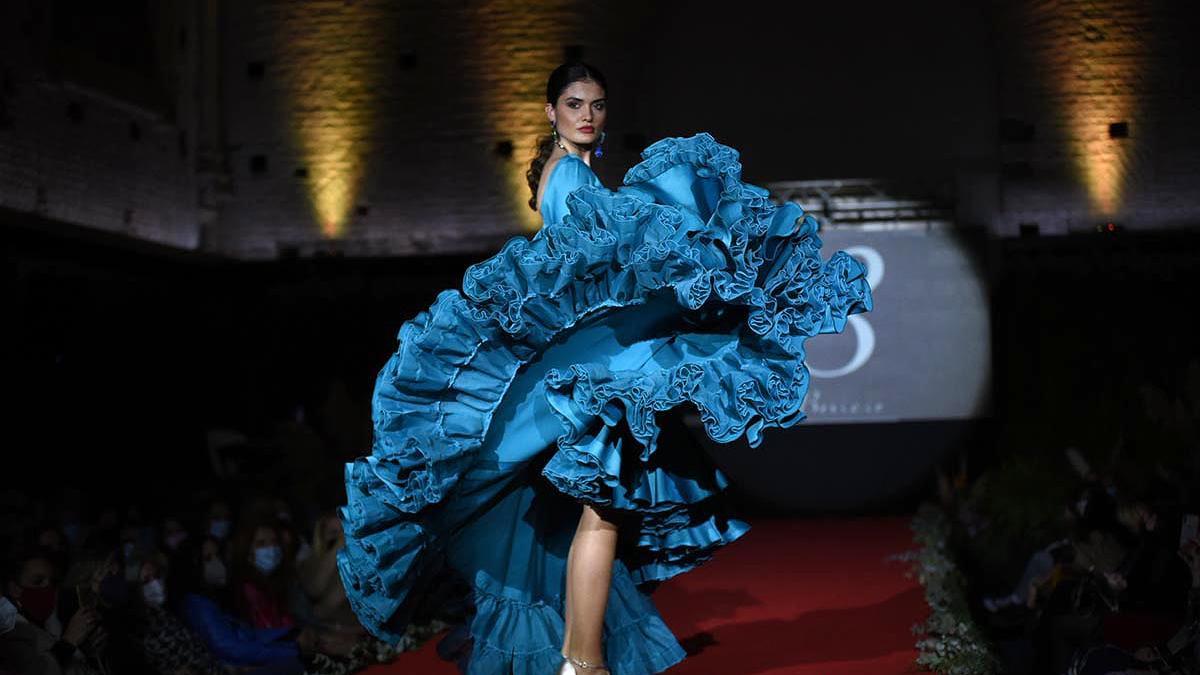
x=219, y=529
x=8, y=615
x=214, y=572
x=154, y=593
x=114, y=590
x=38, y=603
x=174, y=539
x=267, y=558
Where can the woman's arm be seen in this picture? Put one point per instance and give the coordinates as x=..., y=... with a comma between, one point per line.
x=233, y=643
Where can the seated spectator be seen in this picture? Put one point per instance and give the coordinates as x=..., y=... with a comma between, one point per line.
x=29, y=601
x=97, y=580
x=256, y=650
x=219, y=521
x=295, y=547
x=1156, y=574
x=130, y=552
x=53, y=543
x=32, y=584
x=214, y=570
x=236, y=644
x=1041, y=570
x=105, y=533
x=174, y=534
x=323, y=596
x=169, y=648
x=261, y=577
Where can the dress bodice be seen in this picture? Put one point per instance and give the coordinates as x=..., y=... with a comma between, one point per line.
x=566, y=175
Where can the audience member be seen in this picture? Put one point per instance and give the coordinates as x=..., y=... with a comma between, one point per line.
x=323, y=597
x=220, y=521
x=29, y=602
x=96, y=579
x=169, y=647
x=261, y=576
x=115, y=595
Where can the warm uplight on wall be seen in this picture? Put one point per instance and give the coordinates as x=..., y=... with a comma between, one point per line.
x=330, y=71
x=1102, y=161
x=517, y=65
x=1098, y=85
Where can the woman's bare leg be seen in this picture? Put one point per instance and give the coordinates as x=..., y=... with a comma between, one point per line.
x=589, y=575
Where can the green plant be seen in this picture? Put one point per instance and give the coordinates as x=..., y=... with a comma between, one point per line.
x=950, y=642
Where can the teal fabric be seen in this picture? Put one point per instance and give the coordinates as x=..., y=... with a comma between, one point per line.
x=567, y=174
x=535, y=389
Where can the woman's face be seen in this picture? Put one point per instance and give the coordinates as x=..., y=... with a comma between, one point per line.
x=209, y=550
x=264, y=537
x=109, y=567
x=580, y=112
x=50, y=538
x=149, y=571
x=36, y=573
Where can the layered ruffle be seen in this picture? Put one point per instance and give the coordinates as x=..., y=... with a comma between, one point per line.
x=525, y=638
x=743, y=271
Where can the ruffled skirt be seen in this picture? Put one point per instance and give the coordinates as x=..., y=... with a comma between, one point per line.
x=535, y=390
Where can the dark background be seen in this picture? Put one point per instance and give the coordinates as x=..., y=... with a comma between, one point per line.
x=163, y=275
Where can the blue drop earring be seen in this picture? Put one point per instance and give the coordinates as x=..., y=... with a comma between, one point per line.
x=600, y=146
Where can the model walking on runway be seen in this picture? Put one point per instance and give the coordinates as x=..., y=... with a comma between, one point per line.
x=516, y=438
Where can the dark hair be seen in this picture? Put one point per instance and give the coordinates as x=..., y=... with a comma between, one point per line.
x=275, y=585
x=560, y=79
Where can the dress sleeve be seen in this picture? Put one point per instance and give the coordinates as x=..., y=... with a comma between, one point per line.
x=568, y=175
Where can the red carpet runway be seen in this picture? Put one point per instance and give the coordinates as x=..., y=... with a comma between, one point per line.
x=792, y=597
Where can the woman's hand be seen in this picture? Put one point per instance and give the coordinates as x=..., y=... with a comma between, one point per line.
x=327, y=535
x=96, y=641
x=1115, y=581
x=314, y=641
x=307, y=641
x=81, y=625
x=337, y=644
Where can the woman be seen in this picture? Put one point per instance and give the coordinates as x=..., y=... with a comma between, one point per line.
x=262, y=575
x=168, y=646
x=515, y=432
x=27, y=605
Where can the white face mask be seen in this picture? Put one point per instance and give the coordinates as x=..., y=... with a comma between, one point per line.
x=8, y=615
x=267, y=558
x=214, y=572
x=154, y=593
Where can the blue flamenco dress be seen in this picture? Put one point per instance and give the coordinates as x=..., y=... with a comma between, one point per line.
x=534, y=390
